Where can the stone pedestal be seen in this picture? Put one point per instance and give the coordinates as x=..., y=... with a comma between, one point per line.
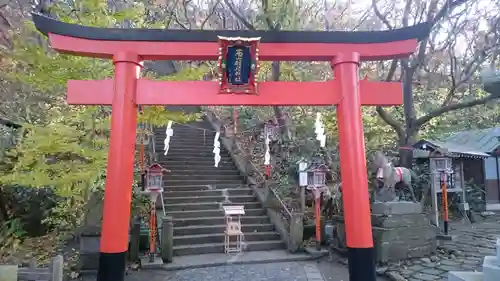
x=89, y=249
x=400, y=231
x=491, y=270
x=8, y=272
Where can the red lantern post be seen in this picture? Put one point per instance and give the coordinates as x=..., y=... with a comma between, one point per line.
x=154, y=189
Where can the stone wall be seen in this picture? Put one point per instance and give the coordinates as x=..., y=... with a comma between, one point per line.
x=400, y=231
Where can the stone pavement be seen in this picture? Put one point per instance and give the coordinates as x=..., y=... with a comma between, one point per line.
x=464, y=253
x=324, y=270
x=289, y=271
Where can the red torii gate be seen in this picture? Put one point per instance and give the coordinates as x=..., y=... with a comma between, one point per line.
x=129, y=47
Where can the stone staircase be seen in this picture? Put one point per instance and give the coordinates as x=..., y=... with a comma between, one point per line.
x=195, y=192
x=491, y=269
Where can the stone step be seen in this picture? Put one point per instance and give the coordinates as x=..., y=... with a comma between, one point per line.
x=169, y=182
x=180, y=146
x=219, y=238
x=181, y=222
x=188, y=172
x=208, y=229
x=180, y=133
x=194, y=158
x=186, y=142
x=186, y=147
x=212, y=213
x=203, y=169
x=196, y=187
x=202, y=193
x=491, y=268
x=208, y=206
x=209, y=177
x=219, y=247
x=201, y=161
x=193, y=153
x=195, y=164
x=235, y=199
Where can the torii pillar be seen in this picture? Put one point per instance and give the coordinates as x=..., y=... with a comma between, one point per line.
x=128, y=47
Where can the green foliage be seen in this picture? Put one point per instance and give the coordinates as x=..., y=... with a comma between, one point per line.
x=65, y=148
x=11, y=234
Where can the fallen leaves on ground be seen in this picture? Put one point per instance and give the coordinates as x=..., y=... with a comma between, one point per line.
x=41, y=249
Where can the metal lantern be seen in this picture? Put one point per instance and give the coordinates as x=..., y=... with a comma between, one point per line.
x=155, y=178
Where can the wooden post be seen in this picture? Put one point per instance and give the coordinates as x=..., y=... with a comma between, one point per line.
x=167, y=239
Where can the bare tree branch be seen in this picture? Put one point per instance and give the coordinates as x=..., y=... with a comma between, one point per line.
x=237, y=14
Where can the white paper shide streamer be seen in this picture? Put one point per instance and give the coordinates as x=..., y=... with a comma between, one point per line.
x=320, y=130
x=267, y=155
x=169, y=132
x=216, y=150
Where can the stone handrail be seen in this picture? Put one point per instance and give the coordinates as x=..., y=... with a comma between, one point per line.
x=152, y=146
x=288, y=224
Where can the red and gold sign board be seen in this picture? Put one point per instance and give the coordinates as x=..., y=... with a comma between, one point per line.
x=238, y=65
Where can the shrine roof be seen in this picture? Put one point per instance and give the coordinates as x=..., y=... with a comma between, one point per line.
x=423, y=148
x=485, y=140
x=48, y=25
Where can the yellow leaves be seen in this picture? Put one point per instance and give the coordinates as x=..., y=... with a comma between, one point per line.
x=60, y=155
x=159, y=116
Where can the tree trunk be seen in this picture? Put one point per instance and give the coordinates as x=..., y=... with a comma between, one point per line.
x=278, y=112
x=405, y=149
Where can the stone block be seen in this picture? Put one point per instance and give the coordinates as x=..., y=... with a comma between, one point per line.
x=146, y=263
x=465, y=276
x=8, y=272
x=396, y=208
x=89, y=252
x=404, y=234
x=411, y=236
x=399, y=220
x=491, y=268
x=498, y=249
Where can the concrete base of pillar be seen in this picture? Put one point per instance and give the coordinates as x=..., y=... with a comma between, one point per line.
x=156, y=263
x=445, y=237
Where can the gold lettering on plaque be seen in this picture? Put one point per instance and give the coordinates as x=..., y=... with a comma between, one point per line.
x=238, y=62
